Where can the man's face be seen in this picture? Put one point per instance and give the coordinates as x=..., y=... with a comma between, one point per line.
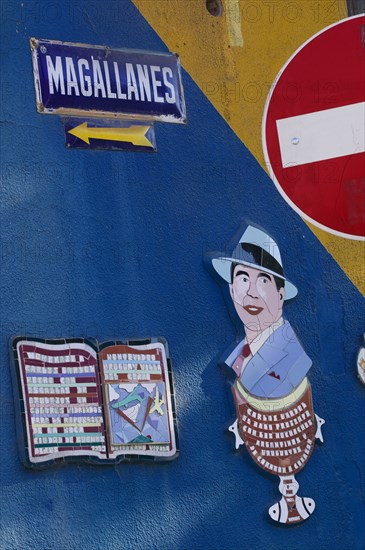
x=256, y=299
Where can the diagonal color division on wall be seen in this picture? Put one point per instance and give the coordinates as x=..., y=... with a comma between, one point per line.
x=235, y=58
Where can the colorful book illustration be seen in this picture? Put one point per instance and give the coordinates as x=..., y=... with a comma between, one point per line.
x=81, y=400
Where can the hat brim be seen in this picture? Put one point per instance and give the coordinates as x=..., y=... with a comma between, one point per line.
x=223, y=268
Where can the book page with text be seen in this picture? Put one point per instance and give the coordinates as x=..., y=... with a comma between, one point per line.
x=61, y=399
x=137, y=398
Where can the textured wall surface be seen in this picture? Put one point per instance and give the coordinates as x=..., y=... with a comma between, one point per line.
x=112, y=245
x=235, y=58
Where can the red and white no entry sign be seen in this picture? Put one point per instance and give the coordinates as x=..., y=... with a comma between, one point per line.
x=314, y=129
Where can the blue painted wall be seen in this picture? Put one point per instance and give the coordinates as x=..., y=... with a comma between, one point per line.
x=112, y=245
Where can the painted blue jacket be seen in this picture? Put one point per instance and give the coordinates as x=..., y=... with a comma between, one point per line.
x=278, y=367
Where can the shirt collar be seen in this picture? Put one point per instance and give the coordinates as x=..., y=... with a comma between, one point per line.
x=264, y=335
x=255, y=344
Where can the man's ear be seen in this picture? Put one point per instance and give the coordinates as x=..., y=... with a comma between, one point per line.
x=282, y=294
x=231, y=290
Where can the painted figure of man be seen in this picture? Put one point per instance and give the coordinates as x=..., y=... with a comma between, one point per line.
x=272, y=395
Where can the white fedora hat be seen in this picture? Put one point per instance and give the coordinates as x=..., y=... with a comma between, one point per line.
x=258, y=250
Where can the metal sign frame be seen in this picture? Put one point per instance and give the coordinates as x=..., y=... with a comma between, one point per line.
x=154, y=107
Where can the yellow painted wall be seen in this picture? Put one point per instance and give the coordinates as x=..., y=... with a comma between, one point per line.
x=235, y=58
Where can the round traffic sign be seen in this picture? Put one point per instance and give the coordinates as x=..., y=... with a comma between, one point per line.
x=314, y=129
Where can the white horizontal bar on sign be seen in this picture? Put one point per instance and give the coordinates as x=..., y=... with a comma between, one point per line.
x=322, y=135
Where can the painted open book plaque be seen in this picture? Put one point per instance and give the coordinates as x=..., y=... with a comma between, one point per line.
x=101, y=403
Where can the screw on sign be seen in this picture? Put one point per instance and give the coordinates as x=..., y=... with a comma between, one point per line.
x=314, y=132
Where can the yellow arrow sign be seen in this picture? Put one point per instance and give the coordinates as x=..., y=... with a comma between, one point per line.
x=132, y=134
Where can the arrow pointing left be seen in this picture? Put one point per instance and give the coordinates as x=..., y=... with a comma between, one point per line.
x=108, y=135
x=133, y=134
